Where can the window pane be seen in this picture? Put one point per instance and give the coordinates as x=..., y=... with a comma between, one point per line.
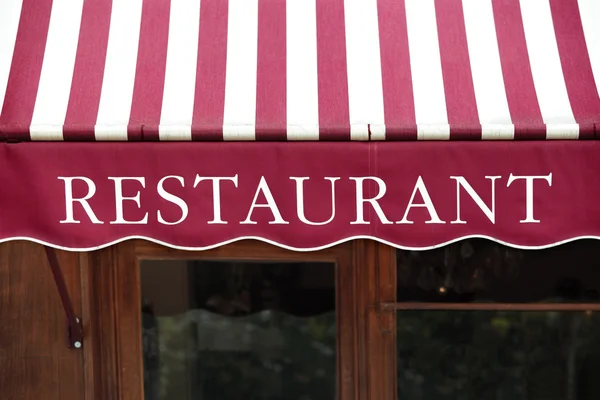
x=498, y=355
x=216, y=330
x=479, y=270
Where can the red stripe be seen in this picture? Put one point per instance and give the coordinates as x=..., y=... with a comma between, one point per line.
x=86, y=86
x=576, y=65
x=209, y=101
x=271, y=71
x=334, y=114
x=26, y=68
x=398, y=99
x=456, y=70
x=518, y=79
x=150, y=71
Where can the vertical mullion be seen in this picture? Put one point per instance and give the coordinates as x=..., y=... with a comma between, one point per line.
x=347, y=325
x=387, y=292
x=376, y=270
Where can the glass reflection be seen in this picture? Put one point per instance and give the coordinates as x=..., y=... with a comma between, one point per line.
x=496, y=355
x=482, y=271
x=230, y=330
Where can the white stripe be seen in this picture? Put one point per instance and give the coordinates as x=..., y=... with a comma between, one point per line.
x=488, y=81
x=359, y=132
x=46, y=132
x=562, y=131
x=119, y=70
x=175, y=132
x=426, y=69
x=240, y=78
x=180, y=73
x=239, y=132
x=547, y=72
x=57, y=70
x=111, y=132
x=9, y=25
x=302, y=132
x=433, y=132
x=365, y=88
x=301, y=57
x=590, y=12
x=378, y=132
x=497, y=131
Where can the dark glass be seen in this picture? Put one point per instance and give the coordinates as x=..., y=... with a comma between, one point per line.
x=498, y=355
x=229, y=330
x=482, y=271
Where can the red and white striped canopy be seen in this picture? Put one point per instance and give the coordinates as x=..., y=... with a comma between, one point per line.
x=299, y=69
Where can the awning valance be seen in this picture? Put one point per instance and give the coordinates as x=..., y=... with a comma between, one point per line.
x=299, y=69
x=302, y=196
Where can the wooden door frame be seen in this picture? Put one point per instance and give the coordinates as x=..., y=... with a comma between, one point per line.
x=113, y=334
x=378, y=349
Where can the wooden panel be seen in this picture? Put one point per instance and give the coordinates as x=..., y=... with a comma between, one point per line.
x=117, y=334
x=377, y=276
x=88, y=349
x=35, y=362
x=101, y=337
x=129, y=323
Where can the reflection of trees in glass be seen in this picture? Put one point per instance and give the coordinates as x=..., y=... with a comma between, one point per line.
x=498, y=355
x=150, y=346
x=244, y=330
x=243, y=288
x=265, y=355
x=464, y=267
x=477, y=270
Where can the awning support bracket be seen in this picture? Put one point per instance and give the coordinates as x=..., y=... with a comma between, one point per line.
x=74, y=327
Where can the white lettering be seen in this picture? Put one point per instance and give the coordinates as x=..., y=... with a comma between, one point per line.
x=427, y=203
x=119, y=199
x=263, y=187
x=69, y=200
x=490, y=213
x=300, y=200
x=360, y=200
x=216, y=186
x=172, y=199
x=529, y=193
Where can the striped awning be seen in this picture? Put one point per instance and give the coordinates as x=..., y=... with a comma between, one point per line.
x=299, y=69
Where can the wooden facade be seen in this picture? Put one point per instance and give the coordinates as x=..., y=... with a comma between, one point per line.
x=35, y=362
x=104, y=286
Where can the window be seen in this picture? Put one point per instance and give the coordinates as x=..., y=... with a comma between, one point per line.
x=478, y=320
x=237, y=329
x=245, y=320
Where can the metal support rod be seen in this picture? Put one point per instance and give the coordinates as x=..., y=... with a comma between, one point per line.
x=75, y=329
